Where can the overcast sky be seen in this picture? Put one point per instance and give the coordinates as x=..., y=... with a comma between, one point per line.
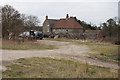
x=94, y=11
x=119, y=10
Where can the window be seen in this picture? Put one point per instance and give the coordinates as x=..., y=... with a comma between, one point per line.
x=48, y=30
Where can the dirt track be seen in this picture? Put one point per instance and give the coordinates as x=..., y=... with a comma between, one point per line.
x=67, y=50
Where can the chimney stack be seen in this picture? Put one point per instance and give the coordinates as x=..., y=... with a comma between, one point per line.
x=46, y=17
x=67, y=16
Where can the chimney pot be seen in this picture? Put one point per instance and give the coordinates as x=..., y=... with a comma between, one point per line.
x=67, y=16
x=46, y=17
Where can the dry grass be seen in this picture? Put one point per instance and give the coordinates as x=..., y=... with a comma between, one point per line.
x=15, y=45
x=103, y=51
x=59, y=39
x=54, y=68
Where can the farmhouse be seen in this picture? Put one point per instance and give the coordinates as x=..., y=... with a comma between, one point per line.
x=63, y=25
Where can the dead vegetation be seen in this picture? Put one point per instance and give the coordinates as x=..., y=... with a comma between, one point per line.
x=26, y=45
x=54, y=68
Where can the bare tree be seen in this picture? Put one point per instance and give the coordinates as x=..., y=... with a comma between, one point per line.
x=13, y=21
x=30, y=21
x=10, y=20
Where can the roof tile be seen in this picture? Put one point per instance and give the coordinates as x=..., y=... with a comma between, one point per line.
x=67, y=23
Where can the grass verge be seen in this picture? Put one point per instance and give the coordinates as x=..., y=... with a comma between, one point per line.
x=27, y=45
x=103, y=51
x=54, y=68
